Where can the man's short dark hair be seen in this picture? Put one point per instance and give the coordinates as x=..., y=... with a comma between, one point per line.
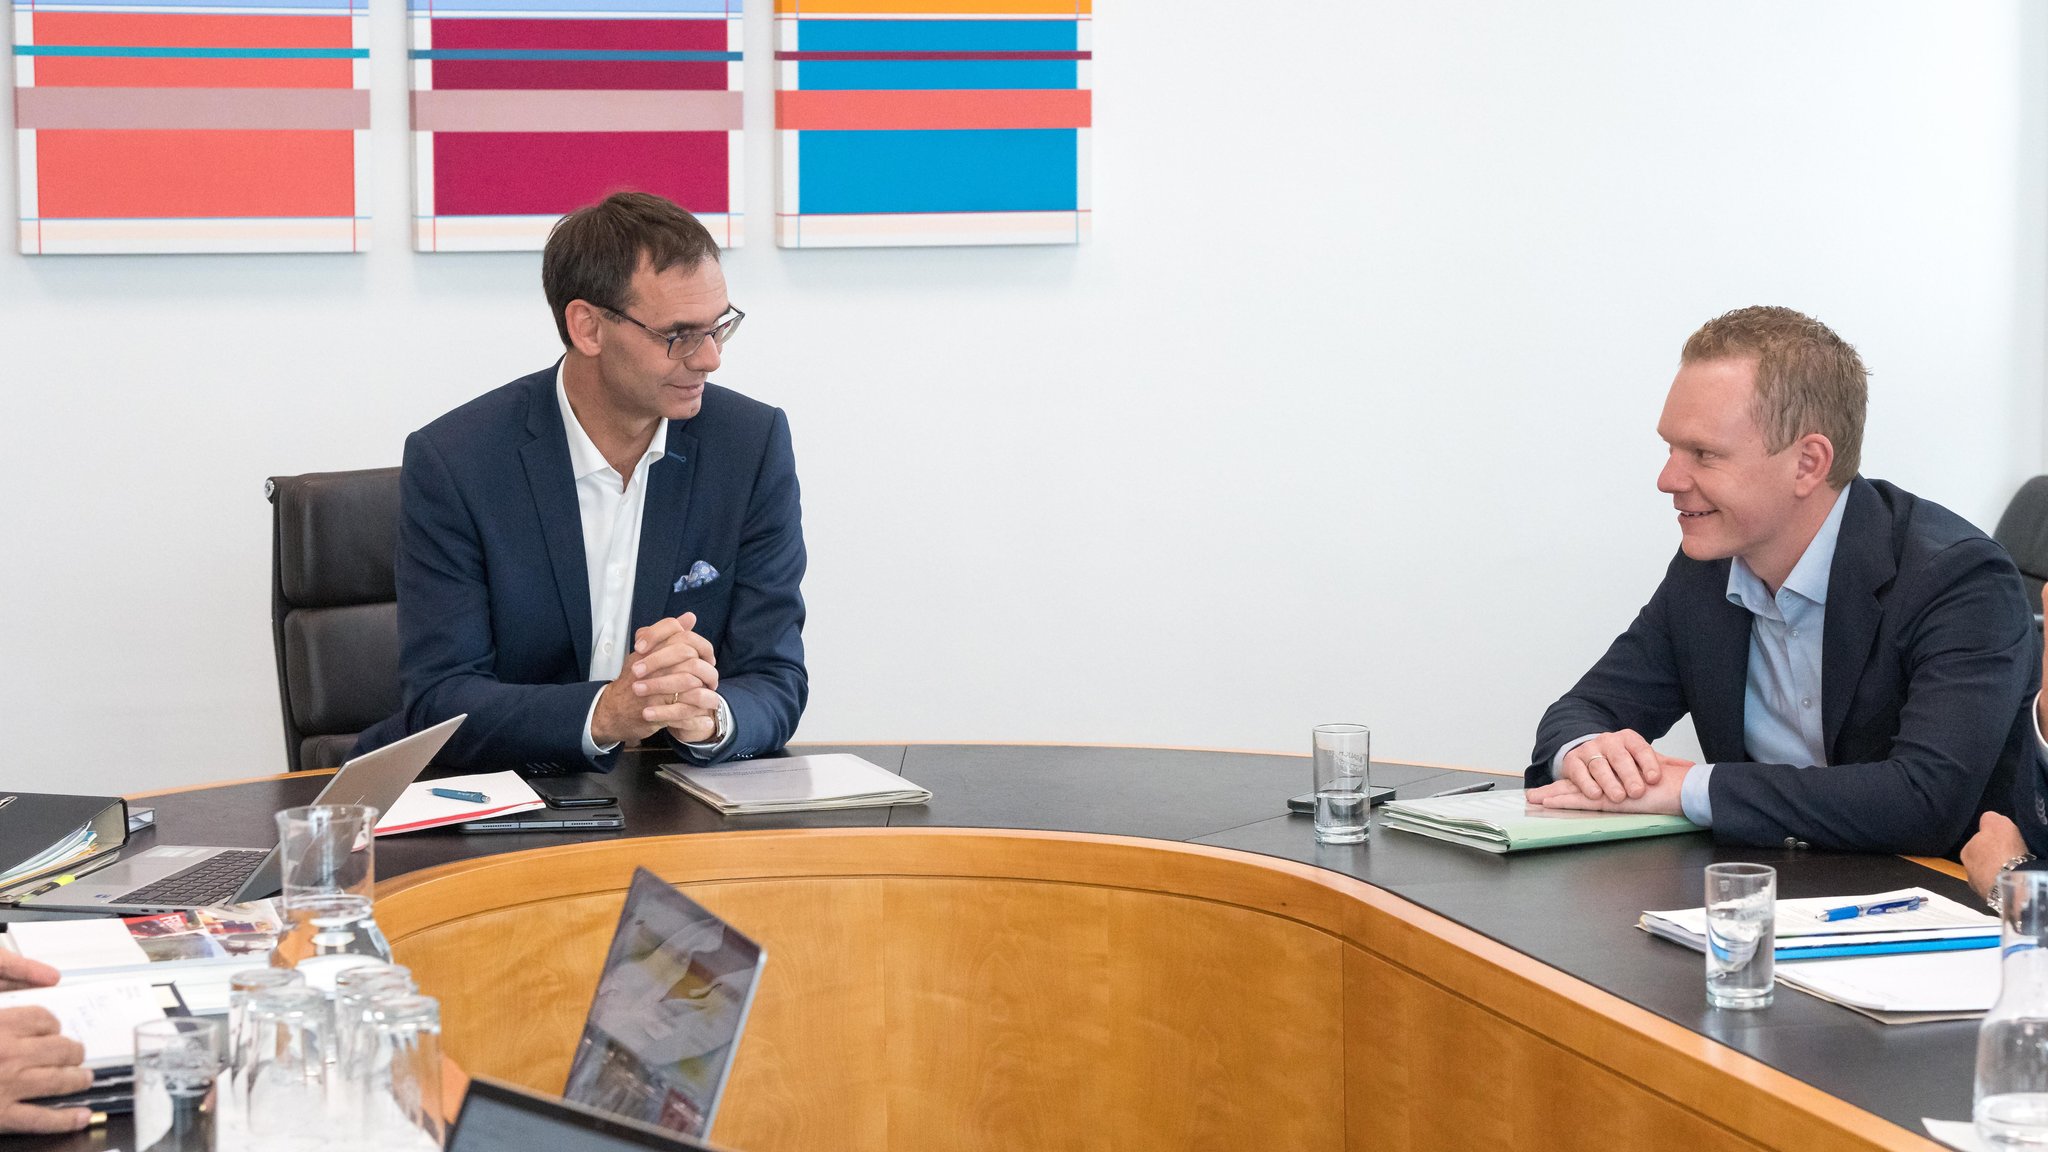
x=592, y=253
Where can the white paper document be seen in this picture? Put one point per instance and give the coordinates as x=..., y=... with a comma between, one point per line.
x=418, y=808
x=794, y=784
x=74, y=945
x=1940, y=918
x=101, y=1015
x=1958, y=1134
x=1919, y=985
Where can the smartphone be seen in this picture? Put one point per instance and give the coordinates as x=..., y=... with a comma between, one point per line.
x=1306, y=802
x=579, y=791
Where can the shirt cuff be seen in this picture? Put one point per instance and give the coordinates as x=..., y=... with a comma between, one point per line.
x=713, y=747
x=1694, y=799
x=590, y=747
x=2034, y=711
x=1557, y=761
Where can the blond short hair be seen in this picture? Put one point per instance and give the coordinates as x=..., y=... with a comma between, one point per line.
x=1807, y=379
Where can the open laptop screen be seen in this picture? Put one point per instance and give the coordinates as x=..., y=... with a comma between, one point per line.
x=669, y=1009
x=500, y=1118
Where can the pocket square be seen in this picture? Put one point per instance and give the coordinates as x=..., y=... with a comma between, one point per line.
x=698, y=576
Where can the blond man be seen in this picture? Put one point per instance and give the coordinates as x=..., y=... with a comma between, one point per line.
x=1858, y=662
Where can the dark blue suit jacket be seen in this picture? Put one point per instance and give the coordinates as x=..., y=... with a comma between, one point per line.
x=494, y=595
x=1929, y=665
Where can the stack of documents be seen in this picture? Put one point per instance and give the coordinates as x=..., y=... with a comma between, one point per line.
x=1504, y=822
x=100, y=1016
x=794, y=784
x=198, y=950
x=503, y=794
x=1936, y=962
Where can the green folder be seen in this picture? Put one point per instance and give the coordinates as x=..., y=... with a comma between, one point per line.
x=1504, y=822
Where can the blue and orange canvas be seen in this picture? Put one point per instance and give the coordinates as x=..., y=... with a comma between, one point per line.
x=523, y=110
x=232, y=126
x=932, y=122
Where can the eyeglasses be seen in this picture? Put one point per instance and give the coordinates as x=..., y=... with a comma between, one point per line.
x=682, y=344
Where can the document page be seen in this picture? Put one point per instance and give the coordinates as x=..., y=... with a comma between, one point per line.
x=100, y=1015
x=71, y=945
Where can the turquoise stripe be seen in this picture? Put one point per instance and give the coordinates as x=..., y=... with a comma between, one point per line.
x=625, y=54
x=128, y=52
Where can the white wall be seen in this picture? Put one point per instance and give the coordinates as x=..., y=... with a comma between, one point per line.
x=1346, y=412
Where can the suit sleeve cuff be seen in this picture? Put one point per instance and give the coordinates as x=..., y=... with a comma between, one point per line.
x=1693, y=798
x=590, y=748
x=1557, y=761
x=725, y=730
x=2034, y=712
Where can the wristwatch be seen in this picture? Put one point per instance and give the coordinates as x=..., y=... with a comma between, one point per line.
x=1992, y=898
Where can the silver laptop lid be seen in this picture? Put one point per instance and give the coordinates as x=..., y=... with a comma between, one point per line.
x=376, y=778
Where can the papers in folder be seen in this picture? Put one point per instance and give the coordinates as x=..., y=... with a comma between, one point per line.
x=794, y=784
x=418, y=808
x=1504, y=822
x=1937, y=962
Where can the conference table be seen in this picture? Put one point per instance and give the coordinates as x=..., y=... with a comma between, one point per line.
x=1131, y=948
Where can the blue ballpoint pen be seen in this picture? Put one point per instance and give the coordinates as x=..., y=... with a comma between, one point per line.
x=459, y=794
x=1852, y=911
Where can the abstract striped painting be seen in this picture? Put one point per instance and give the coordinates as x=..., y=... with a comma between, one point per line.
x=523, y=110
x=230, y=126
x=928, y=122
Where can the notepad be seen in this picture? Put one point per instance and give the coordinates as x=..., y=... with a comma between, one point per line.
x=100, y=1015
x=1939, y=925
x=1505, y=822
x=794, y=784
x=418, y=808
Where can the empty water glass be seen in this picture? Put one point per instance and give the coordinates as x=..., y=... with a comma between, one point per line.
x=282, y=1067
x=1742, y=906
x=353, y=991
x=177, y=1063
x=1343, y=773
x=399, y=1050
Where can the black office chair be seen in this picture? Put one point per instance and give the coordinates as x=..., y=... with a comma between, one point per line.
x=2023, y=529
x=334, y=608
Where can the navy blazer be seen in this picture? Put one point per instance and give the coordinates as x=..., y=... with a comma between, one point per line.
x=494, y=595
x=1929, y=665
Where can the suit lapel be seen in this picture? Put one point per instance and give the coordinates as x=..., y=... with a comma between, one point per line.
x=550, y=477
x=662, y=520
x=1863, y=568
x=1723, y=655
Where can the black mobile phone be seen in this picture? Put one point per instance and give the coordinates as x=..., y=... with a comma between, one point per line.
x=1306, y=802
x=578, y=791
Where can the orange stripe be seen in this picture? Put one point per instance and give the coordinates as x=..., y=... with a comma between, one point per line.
x=937, y=7
x=212, y=172
x=986, y=108
x=155, y=30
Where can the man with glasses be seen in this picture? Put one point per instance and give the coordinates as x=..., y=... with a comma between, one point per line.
x=609, y=550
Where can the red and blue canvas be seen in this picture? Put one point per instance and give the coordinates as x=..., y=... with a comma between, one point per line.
x=232, y=126
x=526, y=109
x=928, y=122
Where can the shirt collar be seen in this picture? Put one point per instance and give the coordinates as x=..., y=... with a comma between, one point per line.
x=1808, y=579
x=584, y=458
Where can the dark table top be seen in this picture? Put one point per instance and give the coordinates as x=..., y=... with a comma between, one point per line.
x=1574, y=909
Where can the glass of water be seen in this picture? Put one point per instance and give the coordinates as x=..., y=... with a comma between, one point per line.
x=1343, y=767
x=1742, y=939
x=399, y=1059
x=2012, y=1044
x=177, y=1062
x=282, y=1067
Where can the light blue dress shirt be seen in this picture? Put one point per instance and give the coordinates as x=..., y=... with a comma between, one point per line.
x=1781, y=706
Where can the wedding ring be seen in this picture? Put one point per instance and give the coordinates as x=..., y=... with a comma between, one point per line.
x=1594, y=757
x=675, y=698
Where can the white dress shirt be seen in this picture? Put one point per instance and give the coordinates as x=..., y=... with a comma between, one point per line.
x=611, y=509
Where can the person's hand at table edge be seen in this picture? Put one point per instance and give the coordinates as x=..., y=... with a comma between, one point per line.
x=1660, y=798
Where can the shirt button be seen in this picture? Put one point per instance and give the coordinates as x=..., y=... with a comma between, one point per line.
x=1806, y=703
x=607, y=647
x=1795, y=632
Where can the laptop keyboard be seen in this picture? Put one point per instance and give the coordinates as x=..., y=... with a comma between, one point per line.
x=214, y=880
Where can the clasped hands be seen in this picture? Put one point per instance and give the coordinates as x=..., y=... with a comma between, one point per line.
x=670, y=681
x=1616, y=772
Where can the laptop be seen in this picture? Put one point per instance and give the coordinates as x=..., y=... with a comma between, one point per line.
x=501, y=1118
x=670, y=1006
x=173, y=877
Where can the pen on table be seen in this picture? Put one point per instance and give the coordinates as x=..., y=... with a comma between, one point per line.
x=459, y=794
x=1482, y=786
x=1852, y=911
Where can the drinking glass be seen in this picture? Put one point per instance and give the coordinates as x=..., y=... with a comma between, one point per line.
x=329, y=864
x=1742, y=906
x=399, y=1052
x=1343, y=771
x=282, y=1067
x=177, y=1061
x=2012, y=1044
x=353, y=991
